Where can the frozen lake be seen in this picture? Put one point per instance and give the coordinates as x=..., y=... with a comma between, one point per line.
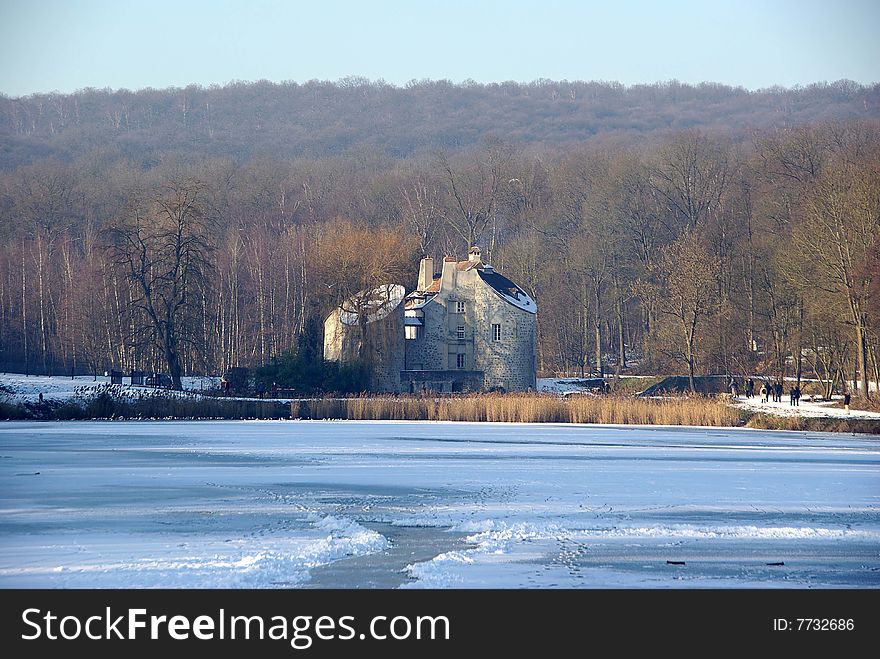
x=386, y=504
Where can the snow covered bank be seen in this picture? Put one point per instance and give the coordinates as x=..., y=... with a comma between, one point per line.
x=565, y=386
x=19, y=388
x=83, y=398
x=819, y=409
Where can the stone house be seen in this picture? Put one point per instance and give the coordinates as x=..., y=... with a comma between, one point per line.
x=468, y=328
x=368, y=328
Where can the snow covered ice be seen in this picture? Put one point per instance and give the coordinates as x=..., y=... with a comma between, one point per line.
x=274, y=503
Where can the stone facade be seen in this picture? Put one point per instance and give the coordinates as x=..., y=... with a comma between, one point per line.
x=469, y=329
x=369, y=329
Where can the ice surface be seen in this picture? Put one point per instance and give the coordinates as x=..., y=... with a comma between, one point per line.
x=261, y=504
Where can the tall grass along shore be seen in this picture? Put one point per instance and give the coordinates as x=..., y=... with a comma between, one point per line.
x=513, y=408
x=524, y=408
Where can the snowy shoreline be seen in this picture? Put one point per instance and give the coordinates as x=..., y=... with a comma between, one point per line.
x=26, y=390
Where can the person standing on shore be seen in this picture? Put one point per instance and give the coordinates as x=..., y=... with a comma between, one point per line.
x=847, y=397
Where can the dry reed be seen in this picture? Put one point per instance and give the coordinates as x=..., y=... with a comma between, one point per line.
x=525, y=408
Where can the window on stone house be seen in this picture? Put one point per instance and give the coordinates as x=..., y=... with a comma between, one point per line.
x=459, y=360
x=460, y=332
x=496, y=331
x=459, y=307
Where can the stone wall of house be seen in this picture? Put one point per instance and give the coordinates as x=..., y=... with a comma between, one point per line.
x=429, y=382
x=334, y=332
x=379, y=344
x=508, y=364
x=385, y=342
x=428, y=352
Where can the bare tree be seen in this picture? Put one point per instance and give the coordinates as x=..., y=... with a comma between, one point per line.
x=421, y=199
x=358, y=264
x=844, y=210
x=682, y=288
x=355, y=258
x=163, y=247
x=43, y=202
x=691, y=176
x=473, y=191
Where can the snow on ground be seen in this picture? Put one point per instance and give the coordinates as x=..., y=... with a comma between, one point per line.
x=565, y=386
x=27, y=388
x=819, y=408
x=262, y=504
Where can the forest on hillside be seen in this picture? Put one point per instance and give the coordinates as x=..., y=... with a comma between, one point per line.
x=317, y=119
x=671, y=228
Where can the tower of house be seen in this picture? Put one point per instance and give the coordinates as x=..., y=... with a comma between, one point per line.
x=464, y=328
x=468, y=328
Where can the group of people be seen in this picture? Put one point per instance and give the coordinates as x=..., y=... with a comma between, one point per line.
x=750, y=388
x=775, y=389
x=767, y=390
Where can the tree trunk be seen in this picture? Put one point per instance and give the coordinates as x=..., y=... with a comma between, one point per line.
x=690, y=335
x=689, y=332
x=585, y=331
x=597, y=324
x=874, y=361
x=751, y=288
x=40, y=278
x=862, y=356
x=174, y=370
x=24, y=329
x=800, y=341
x=621, y=343
x=691, y=382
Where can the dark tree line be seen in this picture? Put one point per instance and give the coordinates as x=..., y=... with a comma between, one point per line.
x=695, y=253
x=319, y=119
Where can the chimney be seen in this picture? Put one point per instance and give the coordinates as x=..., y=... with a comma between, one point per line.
x=426, y=273
x=474, y=254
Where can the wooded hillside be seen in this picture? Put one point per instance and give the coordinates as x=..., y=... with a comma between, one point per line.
x=694, y=229
x=317, y=119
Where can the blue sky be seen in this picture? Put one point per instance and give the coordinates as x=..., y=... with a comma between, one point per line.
x=48, y=45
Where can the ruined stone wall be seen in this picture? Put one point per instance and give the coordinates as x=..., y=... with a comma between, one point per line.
x=334, y=332
x=385, y=343
x=378, y=344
